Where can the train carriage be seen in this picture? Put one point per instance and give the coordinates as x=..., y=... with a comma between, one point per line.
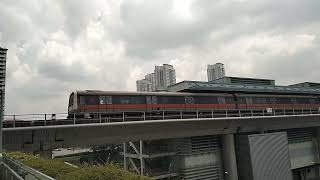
x=90, y=101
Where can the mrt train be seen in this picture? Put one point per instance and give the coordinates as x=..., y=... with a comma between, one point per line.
x=92, y=101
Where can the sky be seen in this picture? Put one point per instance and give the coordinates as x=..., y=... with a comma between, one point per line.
x=58, y=46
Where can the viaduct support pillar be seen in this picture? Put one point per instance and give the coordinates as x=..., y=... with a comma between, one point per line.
x=45, y=154
x=229, y=157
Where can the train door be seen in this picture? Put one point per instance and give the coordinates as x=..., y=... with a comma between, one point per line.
x=82, y=105
x=109, y=104
x=189, y=103
x=249, y=103
x=295, y=104
x=151, y=103
x=241, y=102
x=273, y=102
x=222, y=102
x=102, y=104
x=235, y=98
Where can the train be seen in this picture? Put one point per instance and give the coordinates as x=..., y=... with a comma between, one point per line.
x=88, y=102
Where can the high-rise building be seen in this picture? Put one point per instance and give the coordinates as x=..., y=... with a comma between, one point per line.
x=147, y=84
x=151, y=78
x=164, y=76
x=144, y=85
x=215, y=71
x=3, y=59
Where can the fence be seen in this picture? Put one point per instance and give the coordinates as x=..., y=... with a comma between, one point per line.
x=110, y=117
x=14, y=170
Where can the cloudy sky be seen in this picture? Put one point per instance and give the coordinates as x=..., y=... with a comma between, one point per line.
x=57, y=46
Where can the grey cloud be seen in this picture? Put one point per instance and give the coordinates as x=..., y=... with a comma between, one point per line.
x=62, y=73
x=299, y=67
x=142, y=34
x=151, y=27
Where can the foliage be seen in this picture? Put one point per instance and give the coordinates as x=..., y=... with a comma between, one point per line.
x=110, y=172
x=61, y=171
x=52, y=168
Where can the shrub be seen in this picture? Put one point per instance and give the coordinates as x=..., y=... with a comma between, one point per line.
x=61, y=171
x=52, y=168
x=109, y=172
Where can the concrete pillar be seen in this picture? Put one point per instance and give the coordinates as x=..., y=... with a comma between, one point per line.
x=229, y=157
x=45, y=154
x=317, y=144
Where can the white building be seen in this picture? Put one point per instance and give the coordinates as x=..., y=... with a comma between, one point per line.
x=3, y=59
x=215, y=71
x=144, y=85
x=164, y=76
x=147, y=84
x=151, y=78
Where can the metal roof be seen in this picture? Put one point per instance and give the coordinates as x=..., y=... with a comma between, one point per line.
x=201, y=86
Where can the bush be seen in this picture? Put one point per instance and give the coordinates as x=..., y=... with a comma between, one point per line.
x=52, y=168
x=109, y=172
x=61, y=171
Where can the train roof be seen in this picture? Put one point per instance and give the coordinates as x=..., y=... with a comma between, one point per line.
x=100, y=92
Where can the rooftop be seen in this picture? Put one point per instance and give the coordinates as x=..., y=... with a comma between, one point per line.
x=207, y=87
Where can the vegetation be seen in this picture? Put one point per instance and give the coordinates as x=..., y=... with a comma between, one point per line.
x=61, y=171
x=110, y=172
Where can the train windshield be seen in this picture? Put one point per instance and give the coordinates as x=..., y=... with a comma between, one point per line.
x=71, y=100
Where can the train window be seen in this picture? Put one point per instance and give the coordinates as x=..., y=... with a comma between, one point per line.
x=230, y=100
x=124, y=100
x=138, y=100
x=242, y=100
x=283, y=100
x=303, y=101
x=221, y=100
x=92, y=100
x=205, y=100
x=313, y=101
x=189, y=100
x=71, y=100
x=108, y=99
x=171, y=100
x=249, y=100
x=154, y=99
x=151, y=99
x=272, y=100
x=82, y=100
x=102, y=99
x=259, y=100
x=129, y=100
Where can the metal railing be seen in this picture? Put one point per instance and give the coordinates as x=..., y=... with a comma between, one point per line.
x=15, y=170
x=110, y=117
x=6, y=173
